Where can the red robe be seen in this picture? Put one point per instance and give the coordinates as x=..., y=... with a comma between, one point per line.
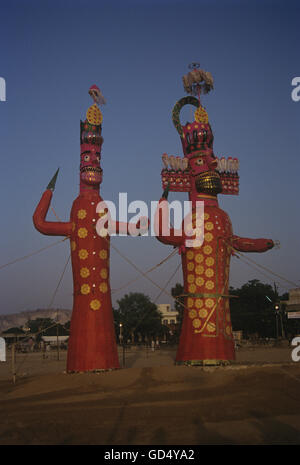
x=92, y=342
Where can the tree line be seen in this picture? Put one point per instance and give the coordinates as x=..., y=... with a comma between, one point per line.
x=256, y=309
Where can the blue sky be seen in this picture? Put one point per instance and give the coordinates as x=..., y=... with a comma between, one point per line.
x=137, y=53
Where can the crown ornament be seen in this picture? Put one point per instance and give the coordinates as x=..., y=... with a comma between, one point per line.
x=196, y=136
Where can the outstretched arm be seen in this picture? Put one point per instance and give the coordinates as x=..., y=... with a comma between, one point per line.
x=243, y=244
x=51, y=228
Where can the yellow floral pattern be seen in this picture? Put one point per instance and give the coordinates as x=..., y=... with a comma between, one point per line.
x=81, y=214
x=84, y=272
x=82, y=233
x=103, y=254
x=95, y=304
x=103, y=287
x=104, y=273
x=85, y=289
x=83, y=254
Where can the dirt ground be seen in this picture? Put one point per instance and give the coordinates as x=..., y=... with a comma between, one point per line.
x=151, y=401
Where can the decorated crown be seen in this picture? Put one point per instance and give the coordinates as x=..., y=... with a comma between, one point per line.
x=196, y=136
x=91, y=128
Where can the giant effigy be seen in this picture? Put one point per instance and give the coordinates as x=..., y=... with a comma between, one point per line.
x=92, y=342
x=206, y=336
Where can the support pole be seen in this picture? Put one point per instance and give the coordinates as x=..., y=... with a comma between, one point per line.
x=13, y=362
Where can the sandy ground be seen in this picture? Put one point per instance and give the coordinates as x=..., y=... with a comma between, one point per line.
x=151, y=401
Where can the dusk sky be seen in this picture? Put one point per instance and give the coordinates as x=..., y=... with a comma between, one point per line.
x=51, y=52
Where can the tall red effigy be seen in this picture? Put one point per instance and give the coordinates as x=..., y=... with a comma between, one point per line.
x=92, y=342
x=206, y=335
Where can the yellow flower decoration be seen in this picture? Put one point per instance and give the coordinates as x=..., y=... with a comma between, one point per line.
x=81, y=214
x=192, y=313
x=83, y=254
x=82, y=233
x=207, y=249
x=209, y=303
x=190, y=278
x=103, y=254
x=104, y=273
x=203, y=313
x=190, y=255
x=95, y=304
x=208, y=237
x=190, y=266
x=211, y=327
x=199, y=281
x=199, y=257
x=228, y=330
x=206, y=216
x=209, y=261
x=192, y=288
x=84, y=272
x=190, y=302
x=199, y=303
x=209, y=273
x=85, y=289
x=209, y=285
x=73, y=245
x=103, y=287
x=196, y=323
x=209, y=226
x=199, y=269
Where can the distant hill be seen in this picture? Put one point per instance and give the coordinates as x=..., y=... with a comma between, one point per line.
x=14, y=320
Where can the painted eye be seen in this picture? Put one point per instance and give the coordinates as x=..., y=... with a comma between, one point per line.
x=86, y=158
x=199, y=162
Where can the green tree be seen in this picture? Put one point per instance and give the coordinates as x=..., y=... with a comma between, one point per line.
x=139, y=317
x=253, y=309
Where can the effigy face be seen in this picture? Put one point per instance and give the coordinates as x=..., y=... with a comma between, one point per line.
x=90, y=170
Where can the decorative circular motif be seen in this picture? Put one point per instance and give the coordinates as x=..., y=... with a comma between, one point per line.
x=199, y=257
x=203, y=313
x=190, y=255
x=83, y=254
x=209, y=226
x=192, y=288
x=199, y=281
x=209, y=272
x=190, y=266
x=211, y=327
x=196, y=323
x=199, y=269
x=84, y=272
x=82, y=233
x=209, y=261
x=207, y=249
x=192, y=313
x=85, y=289
x=103, y=287
x=95, y=304
x=81, y=214
x=199, y=303
x=228, y=330
x=209, y=303
x=104, y=273
x=208, y=237
x=190, y=302
x=190, y=278
x=103, y=254
x=209, y=285
x=206, y=216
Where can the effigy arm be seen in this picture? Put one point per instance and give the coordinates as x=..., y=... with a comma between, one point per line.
x=51, y=228
x=244, y=244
